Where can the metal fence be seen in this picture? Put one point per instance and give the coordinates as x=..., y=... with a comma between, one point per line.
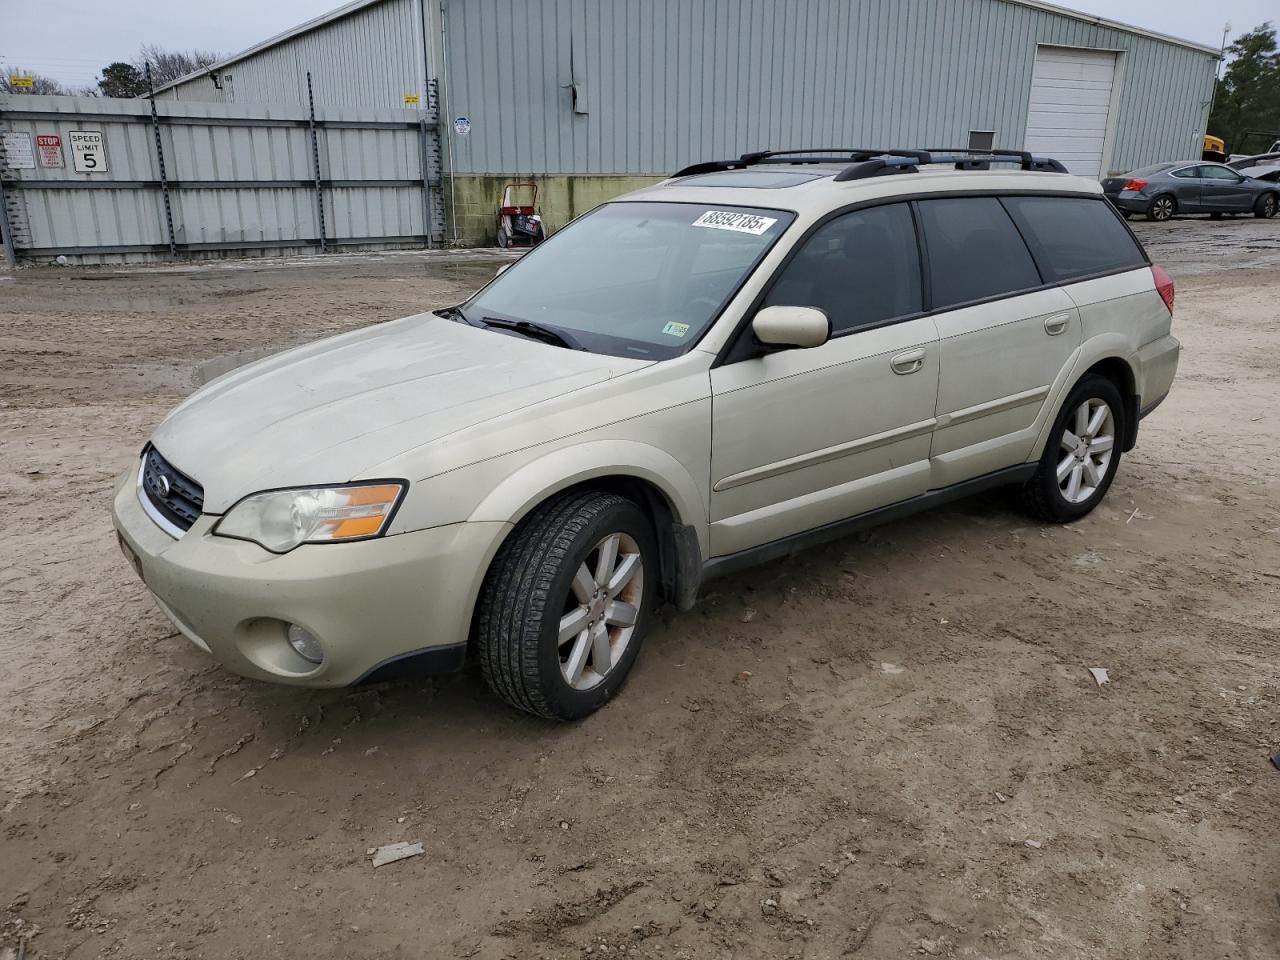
x=99, y=180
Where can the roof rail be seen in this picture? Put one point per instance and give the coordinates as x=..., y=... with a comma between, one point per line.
x=971, y=157
x=806, y=155
x=873, y=161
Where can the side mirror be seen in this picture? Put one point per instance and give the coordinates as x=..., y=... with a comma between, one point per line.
x=791, y=327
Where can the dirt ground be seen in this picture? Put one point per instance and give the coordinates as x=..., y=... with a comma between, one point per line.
x=919, y=761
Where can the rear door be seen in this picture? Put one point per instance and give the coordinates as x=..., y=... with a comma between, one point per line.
x=1004, y=335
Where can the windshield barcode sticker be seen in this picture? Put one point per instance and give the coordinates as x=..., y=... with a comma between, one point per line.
x=737, y=222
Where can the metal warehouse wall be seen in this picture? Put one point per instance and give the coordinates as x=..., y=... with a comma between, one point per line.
x=370, y=58
x=668, y=82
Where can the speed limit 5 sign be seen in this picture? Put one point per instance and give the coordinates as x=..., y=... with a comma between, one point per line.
x=88, y=153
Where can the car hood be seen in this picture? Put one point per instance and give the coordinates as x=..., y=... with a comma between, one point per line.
x=325, y=412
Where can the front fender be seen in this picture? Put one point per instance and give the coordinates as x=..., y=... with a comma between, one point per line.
x=560, y=469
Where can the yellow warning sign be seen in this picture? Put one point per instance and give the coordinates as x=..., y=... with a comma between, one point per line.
x=411, y=99
x=22, y=83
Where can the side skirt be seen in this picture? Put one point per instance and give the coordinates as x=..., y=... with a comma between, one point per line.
x=786, y=546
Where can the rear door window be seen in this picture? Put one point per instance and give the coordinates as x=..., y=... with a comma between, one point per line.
x=861, y=269
x=974, y=252
x=1074, y=237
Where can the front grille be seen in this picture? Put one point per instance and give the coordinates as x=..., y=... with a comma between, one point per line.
x=173, y=494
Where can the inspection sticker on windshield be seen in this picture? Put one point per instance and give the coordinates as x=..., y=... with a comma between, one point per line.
x=676, y=329
x=737, y=222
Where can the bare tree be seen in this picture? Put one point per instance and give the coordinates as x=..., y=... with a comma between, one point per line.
x=169, y=65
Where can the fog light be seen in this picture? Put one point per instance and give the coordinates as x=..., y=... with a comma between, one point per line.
x=307, y=646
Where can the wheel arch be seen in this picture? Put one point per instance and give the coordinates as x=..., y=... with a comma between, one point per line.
x=1106, y=355
x=646, y=475
x=1118, y=371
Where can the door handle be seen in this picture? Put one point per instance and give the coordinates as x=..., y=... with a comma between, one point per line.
x=909, y=362
x=1056, y=324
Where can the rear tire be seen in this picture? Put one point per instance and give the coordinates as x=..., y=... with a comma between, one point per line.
x=1082, y=454
x=1264, y=208
x=566, y=603
x=1162, y=208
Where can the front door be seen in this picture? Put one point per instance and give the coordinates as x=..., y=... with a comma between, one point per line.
x=1221, y=190
x=807, y=437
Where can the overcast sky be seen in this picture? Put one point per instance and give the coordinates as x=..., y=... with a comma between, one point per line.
x=72, y=40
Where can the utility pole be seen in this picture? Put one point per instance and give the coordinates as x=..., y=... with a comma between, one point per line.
x=1217, y=72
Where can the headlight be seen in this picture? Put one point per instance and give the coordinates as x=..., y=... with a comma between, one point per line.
x=282, y=519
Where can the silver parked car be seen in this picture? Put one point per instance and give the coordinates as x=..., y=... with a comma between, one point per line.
x=1164, y=190
x=751, y=357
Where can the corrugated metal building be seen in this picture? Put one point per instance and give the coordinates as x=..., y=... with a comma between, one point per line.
x=593, y=97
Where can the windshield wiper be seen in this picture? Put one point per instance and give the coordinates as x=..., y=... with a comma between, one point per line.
x=454, y=313
x=535, y=331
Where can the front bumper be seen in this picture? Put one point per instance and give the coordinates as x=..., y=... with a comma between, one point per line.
x=369, y=603
x=1129, y=200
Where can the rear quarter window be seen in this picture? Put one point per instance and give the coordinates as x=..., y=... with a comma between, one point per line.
x=1074, y=237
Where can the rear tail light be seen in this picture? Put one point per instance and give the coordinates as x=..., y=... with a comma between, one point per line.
x=1135, y=185
x=1164, y=286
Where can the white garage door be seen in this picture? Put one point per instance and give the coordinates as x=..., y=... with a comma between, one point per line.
x=1070, y=97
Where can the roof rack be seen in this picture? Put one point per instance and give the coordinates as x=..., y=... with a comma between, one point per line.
x=873, y=161
x=972, y=158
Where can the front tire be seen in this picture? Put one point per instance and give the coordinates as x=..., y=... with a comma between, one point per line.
x=1081, y=456
x=1264, y=208
x=1162, y=208
x=566, y=604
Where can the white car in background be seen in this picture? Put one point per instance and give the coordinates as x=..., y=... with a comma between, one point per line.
x=751, y=357
x=1263, y=166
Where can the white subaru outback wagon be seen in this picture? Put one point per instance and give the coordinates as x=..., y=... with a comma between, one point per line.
x=750, y=357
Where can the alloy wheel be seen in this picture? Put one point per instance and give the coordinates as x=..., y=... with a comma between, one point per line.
x=1088, y=443
x=601, y=611
x=1162, y=208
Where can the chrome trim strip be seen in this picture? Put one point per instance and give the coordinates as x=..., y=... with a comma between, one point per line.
x=825, y=455
x=149, y=509
x=992, y=406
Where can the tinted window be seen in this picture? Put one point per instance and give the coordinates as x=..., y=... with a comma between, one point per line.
x=1187, y=173
x=1075, y=237
x=974, y=251
x=860, y=269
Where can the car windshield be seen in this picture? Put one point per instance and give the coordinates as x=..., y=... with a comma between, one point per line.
x=1152, y=170
x=634, y=279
